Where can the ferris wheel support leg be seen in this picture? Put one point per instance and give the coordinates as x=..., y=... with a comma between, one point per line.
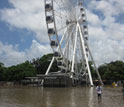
x=83, y=65
x=63, y=36
x=74, y=53
x=95, y=65
x=50, y=66
x=66, y=49
x=48, y=69
x=67, y=42
x=86, y=58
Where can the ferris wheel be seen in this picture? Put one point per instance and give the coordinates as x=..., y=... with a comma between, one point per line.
x=68, y=34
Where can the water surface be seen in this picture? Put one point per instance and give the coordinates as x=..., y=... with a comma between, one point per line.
x=59, y=97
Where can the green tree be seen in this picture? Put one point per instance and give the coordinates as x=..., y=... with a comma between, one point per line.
x=2, y=70
x=41, y=64
x=112, y=71
x=19, y=72
x=93, y=71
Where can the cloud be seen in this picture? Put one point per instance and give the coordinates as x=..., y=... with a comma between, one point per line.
x=107, y=50
x=27, y=14
x=106, y=30
x=106, y=34
x=10, y=55
x=37, y=50
x=108, y=7
x=93, y=19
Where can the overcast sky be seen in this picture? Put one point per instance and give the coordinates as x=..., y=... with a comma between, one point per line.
x=23, y=31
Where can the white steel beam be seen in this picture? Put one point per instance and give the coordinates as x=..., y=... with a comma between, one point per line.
x=85, y=56
x=68, y=40
x=74, y=52
x=66, y=49
x=82, y=54
x=48, y=69
x=95, y=65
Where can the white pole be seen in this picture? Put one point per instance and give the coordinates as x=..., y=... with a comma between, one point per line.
x=86, y=58
x=74, y=52
x=70, y=35
x=62, y=38
x=83, y=65
x=95, y=65
x=66, y=49
x=50, y=66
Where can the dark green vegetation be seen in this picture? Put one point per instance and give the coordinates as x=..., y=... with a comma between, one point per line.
x=112, y=71
x=26, y=69
x=18, y=72
x=108, y=71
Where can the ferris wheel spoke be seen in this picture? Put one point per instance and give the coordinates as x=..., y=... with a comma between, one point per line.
x=63, y=38
x=64, y=34
x=65, y=7
x=61, y=15
x=61, y=7
x=60, y=29
x=68, y=40
x=57, y=3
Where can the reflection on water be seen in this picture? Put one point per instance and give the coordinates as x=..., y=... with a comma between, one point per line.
x=45, y=97
x=58, y=97
x=91, y=96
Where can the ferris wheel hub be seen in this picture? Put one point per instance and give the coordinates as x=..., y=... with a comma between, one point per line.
x=70, y=22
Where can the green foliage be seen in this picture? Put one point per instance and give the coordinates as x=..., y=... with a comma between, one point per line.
x=2, y=68
x=42, y=64
x=27, y=69
x=109, y=71
x=93, y=72
x=112, y=71
x=19, y=72
x=1, y=64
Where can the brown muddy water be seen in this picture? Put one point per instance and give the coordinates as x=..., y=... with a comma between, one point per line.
x=59, y=97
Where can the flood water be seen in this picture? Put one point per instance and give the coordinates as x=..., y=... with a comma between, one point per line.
x=59, y=97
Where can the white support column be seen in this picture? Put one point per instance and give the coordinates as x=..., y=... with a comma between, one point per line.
x=82, y=56
x=86, y=58
x=67, y=43
x=66, y=49
x=62, y=38
x=95, y=65
x=74, y=52
x=50, y=65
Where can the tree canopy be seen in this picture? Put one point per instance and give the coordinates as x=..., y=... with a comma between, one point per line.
x=18, y=72
x=108, y=71
x=112, y=70
x=27, y=69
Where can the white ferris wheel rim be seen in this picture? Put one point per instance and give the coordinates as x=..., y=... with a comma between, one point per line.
x=55, y=24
